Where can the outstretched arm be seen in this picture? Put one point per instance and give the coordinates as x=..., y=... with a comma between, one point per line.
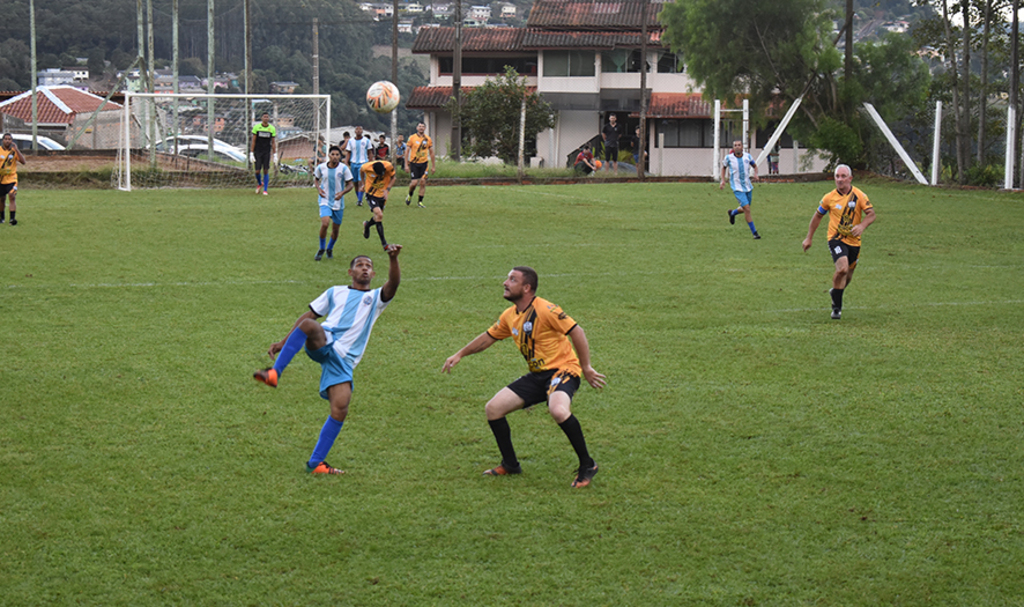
x=582, y=346
x=481, y=343
x=387, y=292
x=815, y=222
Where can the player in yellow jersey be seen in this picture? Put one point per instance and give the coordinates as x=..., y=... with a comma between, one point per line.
x=10, y=156
x=419, y=149
x=850, y=213
x=546, y=336
x=377, y=179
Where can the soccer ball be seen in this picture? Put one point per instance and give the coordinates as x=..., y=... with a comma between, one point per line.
x=597, y=163
x=382, y=97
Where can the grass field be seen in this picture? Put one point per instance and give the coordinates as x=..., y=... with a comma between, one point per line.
x=752, y=451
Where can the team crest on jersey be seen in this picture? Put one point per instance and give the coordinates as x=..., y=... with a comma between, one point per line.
x=368, y=300
x=527, y=326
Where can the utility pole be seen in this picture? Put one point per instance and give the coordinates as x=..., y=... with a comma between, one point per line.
x=316, y=56
x=456, y=147
x=643, y=93
x=394, y=77
x=35, y=103
x=848, y=65
x=247, y=17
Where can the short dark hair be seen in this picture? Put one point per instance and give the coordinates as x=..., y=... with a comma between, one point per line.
x=378, y=168
x=345, y=134
x=352, y=263
x=529, y=276
x=332, y=148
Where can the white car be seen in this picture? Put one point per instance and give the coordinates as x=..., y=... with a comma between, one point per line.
x=191, y=143
x=196, y=150
x=24, y=142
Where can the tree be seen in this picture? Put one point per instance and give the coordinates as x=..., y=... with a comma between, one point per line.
x=491, y=112
x=775, y=53
x=769, y=51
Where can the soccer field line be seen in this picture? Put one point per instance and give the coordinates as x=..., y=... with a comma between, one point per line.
x=533, y=192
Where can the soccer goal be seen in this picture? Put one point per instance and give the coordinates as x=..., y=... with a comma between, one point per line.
x=197, y=140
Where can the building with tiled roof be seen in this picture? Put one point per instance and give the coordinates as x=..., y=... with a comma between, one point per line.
x=63, y=111
x=583, y=57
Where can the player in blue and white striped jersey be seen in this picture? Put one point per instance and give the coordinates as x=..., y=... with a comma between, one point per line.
x=360, y=150
x=337, y=344
x=333, y=180
x=740, y=169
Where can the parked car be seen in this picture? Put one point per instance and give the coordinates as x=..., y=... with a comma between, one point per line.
x=196, y=150
x=24, y=142
x=194, y=142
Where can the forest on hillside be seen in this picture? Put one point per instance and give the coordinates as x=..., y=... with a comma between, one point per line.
x=105, y=32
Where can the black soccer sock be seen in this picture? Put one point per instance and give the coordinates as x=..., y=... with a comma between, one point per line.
x=380, y=232
x=421, y=199
x=503, y=434
x=412, y=190
x=571, y=427
x=837, y=298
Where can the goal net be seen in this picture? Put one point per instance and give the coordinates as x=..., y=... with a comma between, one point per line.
x=196, y=140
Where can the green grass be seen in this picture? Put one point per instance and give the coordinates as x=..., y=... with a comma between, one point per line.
x=752, y=451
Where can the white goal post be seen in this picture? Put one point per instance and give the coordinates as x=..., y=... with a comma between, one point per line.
x=202, y=140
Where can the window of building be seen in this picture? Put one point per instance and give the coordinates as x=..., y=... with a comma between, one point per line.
x=568, y=63
x=696, y=133
x=620, y=61
x=489, y=65
x=670, y=63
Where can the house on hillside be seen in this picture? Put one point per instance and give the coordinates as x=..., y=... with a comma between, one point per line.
x=62, y=113
x=584, y=57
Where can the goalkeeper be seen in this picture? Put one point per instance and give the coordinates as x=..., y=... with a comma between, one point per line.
x=263, y=148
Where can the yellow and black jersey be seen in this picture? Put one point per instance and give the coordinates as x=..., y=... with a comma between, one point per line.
x=541, y=333
x=8, y=165
x=419, y=148
x=844, y=212
x=372, y=184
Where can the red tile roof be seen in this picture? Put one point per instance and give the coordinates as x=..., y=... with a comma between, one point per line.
x=678, y=105
x=54, y=105
x=474, y=39
x=436, y=97
x=597, y=14
x=548, y=39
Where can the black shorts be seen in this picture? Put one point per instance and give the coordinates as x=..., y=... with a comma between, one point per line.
x=535, y=388
x=611, y=152
x=417, y=169
x=838, y=248
x=375, y=202
x=7, y=188
x=262, y=161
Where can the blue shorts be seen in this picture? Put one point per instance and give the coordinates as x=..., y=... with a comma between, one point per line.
x=334, y=369
x=334, y=215
x=356, y=172
x=745, y=198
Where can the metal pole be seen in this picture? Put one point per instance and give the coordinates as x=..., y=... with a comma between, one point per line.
x=746, y=125
x=152, y=81
x=522, y=135
x=936, y=139
x=1011, y=119
x=174, y=67
x=210, y=117
x=717, y=135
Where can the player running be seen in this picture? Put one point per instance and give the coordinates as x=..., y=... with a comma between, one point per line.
x=419, y=149
x=10, y=156
x=378, y=179
x=333, y=180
